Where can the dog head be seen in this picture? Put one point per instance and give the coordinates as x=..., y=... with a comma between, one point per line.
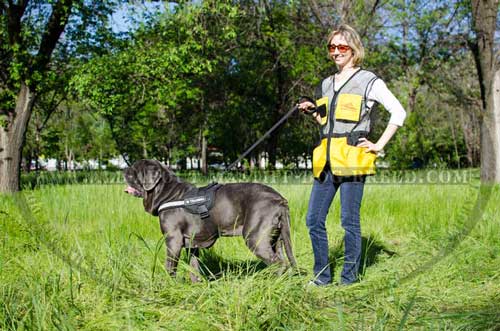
x=142, y=176
x=154, y=182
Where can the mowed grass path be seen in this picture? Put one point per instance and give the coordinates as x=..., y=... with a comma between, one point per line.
x=92, y=259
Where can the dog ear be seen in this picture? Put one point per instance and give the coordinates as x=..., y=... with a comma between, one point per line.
x=151, y=176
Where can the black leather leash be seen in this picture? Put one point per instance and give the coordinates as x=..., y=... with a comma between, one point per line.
x=265, y=135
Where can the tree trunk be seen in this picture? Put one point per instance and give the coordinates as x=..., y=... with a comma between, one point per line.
x=144, y=148
x=12, y=140
x=272, y=146
x=204, y=163
x=454, y=137
x=496, y=120
x=470, y=128
x=484, y=14
x=490, y=136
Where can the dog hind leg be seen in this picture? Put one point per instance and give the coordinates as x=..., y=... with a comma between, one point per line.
x=195, y=265
x=285, y=235
x=264, y=244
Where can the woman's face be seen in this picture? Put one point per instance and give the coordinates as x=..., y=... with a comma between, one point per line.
x=343, y=57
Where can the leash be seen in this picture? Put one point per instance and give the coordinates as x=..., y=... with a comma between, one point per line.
x=264, y=136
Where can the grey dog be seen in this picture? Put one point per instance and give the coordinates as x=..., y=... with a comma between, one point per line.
x=255, y=211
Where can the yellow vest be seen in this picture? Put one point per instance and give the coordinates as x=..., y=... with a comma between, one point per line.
x=345, y=117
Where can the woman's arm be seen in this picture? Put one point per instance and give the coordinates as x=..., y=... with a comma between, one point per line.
x=384, y=96
x=389, y=131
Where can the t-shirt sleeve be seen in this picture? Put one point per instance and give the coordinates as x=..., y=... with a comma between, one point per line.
x=381, y=94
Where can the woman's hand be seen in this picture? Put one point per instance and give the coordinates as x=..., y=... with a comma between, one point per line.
x=386, y=136
x=306, y=106
x=370, y=147
x=309, y=108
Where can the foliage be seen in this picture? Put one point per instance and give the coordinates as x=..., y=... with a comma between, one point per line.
x=22, y=41
x=155, y=84
x=226, y=71
x=32, y=57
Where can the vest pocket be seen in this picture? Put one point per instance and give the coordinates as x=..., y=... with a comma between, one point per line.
x=347, y=160
x=348, y=108
x=319, y=158
x=322, y=109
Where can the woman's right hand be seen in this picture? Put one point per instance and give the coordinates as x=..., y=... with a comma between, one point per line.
x=306, y=107
x=309, y=108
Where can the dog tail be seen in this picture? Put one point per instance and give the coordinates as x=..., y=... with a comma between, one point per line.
x=285, y=235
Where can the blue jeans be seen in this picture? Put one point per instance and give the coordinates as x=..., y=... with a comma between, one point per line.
x=322, y=194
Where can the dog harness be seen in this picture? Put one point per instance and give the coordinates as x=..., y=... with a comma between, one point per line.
x=196, y=201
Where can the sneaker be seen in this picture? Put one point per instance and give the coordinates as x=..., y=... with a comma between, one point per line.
x=343, y=284
x=316, y=282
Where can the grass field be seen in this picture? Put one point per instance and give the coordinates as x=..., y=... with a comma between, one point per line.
x=88, y=257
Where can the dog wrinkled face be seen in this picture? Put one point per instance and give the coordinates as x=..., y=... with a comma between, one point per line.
x=142, y=177
x=133, y=187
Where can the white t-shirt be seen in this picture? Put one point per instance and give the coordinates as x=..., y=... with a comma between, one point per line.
x=381, y=94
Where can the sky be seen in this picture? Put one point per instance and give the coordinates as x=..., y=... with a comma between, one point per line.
x=126, y=18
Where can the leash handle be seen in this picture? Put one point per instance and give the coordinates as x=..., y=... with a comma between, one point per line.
x=311, y=110
x=264, y=136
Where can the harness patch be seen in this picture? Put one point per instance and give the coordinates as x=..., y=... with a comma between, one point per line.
x=200, y=200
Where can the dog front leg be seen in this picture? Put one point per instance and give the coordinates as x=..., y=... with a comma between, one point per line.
x=174, y=244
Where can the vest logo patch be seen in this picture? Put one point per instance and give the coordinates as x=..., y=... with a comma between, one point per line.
x=348, y=107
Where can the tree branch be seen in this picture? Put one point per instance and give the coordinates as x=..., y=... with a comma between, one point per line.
x=57, y=22
x=316, y=12
x=52, y=109
x=14, y=15
x=373, y=10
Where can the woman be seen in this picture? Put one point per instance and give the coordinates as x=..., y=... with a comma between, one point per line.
x=345, y=155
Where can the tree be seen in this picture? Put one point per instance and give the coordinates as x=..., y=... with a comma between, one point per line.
x=29, y=34
x=158, y=89
x=484, y=22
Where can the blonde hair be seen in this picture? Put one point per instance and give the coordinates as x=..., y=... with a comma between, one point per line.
x=353, y=41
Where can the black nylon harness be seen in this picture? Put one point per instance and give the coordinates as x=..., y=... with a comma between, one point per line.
x=197, y=201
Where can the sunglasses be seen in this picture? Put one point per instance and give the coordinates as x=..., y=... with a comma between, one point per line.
x=341, y=48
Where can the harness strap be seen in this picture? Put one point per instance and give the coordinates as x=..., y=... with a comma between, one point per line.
x=171, y=204
x=197, y=201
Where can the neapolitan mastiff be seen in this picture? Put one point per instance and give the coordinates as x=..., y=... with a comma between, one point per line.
x=253, y=210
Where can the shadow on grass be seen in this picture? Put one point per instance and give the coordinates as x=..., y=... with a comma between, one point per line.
x=371, y=249
x=214, y=266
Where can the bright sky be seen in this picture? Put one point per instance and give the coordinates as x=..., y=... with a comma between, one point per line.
x=126, y=18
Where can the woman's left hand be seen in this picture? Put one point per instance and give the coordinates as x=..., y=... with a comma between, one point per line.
x=370, y=147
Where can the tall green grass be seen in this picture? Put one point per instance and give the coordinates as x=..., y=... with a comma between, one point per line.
x=88, y=257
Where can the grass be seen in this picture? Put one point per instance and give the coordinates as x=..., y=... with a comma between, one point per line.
x=87, y=256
